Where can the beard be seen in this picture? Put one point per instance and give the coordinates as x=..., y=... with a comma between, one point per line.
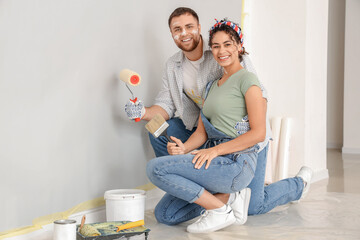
x=195, y=43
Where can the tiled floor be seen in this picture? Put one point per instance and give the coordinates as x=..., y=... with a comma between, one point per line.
x=331, y=210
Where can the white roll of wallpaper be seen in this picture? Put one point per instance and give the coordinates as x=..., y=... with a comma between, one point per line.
x=284, y=148
x=275, y=128
x=268, y=171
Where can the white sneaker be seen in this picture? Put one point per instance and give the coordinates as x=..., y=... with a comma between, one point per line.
x=305, y=174
x=212, y=220
x=240, y=205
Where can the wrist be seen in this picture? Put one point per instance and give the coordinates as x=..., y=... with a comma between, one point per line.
x=217, y=150
x=186, y=148
x=143, y=112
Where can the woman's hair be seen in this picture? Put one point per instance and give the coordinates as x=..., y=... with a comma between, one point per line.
x=181, y=11
x=229, y=28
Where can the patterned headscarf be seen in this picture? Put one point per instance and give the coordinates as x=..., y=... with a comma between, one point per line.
x=231, y=24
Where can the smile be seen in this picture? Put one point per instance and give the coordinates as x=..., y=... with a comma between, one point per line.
x=186, y=40
x=224, y=58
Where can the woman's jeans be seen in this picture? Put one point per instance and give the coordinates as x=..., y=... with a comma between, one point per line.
x=177, y=204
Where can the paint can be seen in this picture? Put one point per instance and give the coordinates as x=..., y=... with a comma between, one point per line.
x=125, y=204
x=64, y=229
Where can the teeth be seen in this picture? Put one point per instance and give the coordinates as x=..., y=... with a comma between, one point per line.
x=186, y=40
x=224, y=57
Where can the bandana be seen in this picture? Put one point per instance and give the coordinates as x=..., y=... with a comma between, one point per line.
x=234, y=26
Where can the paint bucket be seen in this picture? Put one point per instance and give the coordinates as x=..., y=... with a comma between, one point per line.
x=125, y=204
x=64, y=229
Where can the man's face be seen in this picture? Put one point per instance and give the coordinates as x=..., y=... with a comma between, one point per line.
x=185, y=31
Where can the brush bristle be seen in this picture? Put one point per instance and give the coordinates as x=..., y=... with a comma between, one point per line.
x=155, y=123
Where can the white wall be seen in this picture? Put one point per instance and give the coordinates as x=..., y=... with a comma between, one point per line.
x=64, y=137
x=289, y=49
x=335, y=72
x=351, y=76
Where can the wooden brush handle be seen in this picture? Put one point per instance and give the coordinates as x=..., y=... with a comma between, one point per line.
x=82, y=222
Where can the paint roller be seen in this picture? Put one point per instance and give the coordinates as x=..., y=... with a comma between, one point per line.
x=130, y=77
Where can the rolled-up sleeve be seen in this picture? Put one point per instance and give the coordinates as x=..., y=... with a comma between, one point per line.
x=164, y=99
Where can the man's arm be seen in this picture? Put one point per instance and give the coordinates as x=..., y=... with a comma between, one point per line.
x=164, y=103
x=150, y=112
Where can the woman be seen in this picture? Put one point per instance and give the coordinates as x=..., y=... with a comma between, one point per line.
x=232, y=124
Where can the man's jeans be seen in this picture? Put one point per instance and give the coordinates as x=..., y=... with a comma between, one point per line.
x=172, y=210
x=176, y=129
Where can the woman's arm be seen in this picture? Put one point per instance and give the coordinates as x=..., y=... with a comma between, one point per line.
x=197, y=139
x=256, y=108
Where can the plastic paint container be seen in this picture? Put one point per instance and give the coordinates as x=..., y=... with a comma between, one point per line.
x=125, y=204
x=64, y=229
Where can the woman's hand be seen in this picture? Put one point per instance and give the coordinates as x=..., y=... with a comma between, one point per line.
x=204, y=155
x=176, y=148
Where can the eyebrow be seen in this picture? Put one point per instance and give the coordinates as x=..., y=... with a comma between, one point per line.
x=186, y=25
x=227, y=41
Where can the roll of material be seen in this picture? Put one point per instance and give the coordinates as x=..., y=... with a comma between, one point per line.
x=130, y=77
x=64, y=229
x=275, y=128
x=268, y=171
x=284, y=148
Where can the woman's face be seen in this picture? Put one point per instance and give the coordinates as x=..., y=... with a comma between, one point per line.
x=224, y=49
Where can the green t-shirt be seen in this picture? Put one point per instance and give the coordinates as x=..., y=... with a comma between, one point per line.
x=225, y=105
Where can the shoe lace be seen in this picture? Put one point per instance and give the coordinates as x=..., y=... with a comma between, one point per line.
x=203, y=214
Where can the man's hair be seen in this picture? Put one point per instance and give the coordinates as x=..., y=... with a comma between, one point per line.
x=181, y=11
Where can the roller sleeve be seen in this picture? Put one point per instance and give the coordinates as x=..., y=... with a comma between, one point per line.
x=130, y=77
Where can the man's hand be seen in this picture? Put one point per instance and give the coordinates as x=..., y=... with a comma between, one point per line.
x=175, y=148
x=135, y=109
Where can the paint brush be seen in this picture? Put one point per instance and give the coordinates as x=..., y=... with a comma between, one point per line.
x=157, y=126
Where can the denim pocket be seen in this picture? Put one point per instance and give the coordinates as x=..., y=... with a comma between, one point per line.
x=247, y=166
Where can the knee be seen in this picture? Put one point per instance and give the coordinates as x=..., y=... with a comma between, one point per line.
x=253, y=210
x=254, y=207
x=150, y=169
x=161, y=217
x=257, y=205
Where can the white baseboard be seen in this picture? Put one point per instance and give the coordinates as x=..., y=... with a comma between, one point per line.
x=350, y=150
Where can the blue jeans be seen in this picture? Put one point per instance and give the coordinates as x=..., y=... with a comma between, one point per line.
x=176, y=174
x=172, y=210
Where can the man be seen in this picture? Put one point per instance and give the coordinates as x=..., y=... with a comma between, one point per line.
x=186, y=75
x=180, y=100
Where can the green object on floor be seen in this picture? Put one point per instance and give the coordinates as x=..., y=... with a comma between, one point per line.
x=107, y=231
